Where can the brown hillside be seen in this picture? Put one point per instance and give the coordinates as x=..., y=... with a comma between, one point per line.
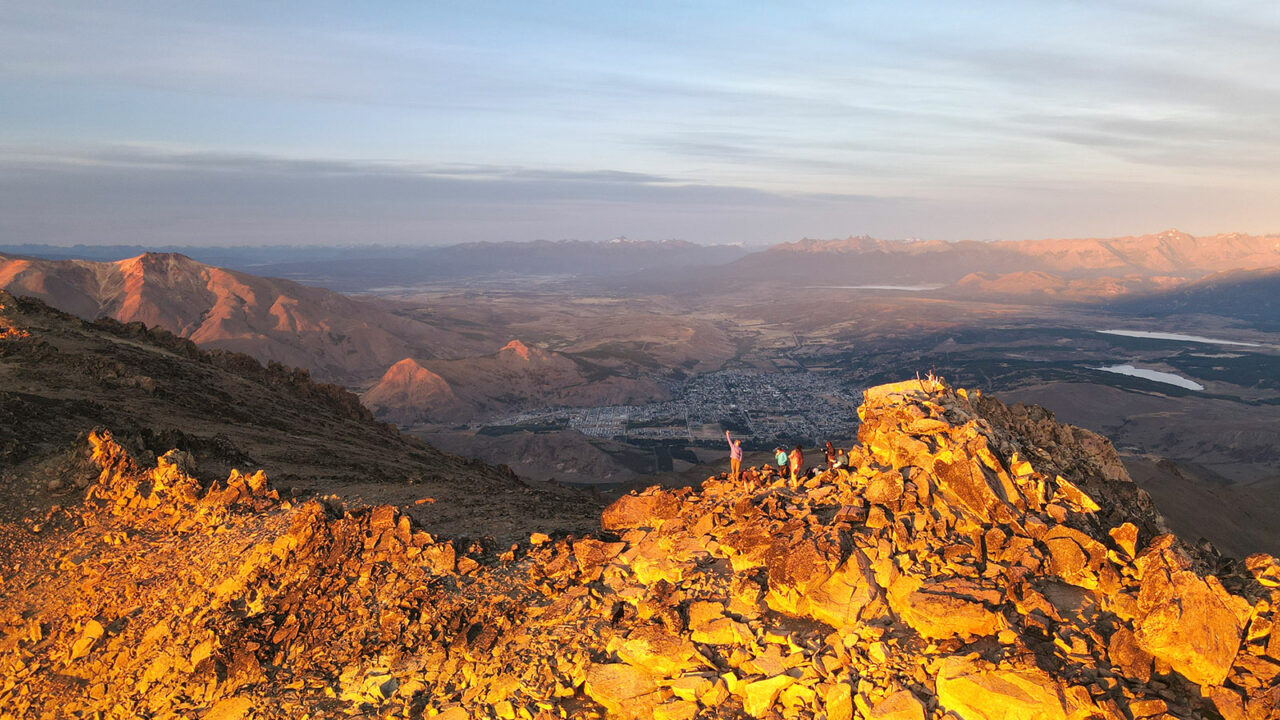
x=336, y=337
x=61, y=377
x=1040, y=285
x=516, y=377
x=410, y=393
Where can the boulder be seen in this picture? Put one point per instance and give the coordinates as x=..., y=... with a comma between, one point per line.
x=230, y=709
x=1127, y=656
x=944, y=609
x=962, y=481
x=836, y=598
x=1074, y=556
x=758, y=697
x=658, y=651
x=884, y=488
x=902, y=705
x=974, y=691
x=640, y=511
x=839, y=701
x=624, y=690
x=1184, y=620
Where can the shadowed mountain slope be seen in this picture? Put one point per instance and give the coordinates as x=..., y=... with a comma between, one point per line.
x=976, y=561
x=1251, y=297
x=60, y=377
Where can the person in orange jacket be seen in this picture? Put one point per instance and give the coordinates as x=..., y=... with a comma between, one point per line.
x=796, y=459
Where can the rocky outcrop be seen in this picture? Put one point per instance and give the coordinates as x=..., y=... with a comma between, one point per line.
x=965, y=567
x=517, y=353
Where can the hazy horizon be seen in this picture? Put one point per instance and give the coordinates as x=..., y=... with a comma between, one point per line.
x=231, y=245
x=297, y=124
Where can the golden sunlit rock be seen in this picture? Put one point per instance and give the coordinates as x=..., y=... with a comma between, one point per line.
x=975, y=692
x=944, y=575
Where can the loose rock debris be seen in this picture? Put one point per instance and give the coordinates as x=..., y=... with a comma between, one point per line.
x=977, y=562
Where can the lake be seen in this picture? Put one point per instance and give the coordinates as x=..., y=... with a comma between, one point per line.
x=1179, y=337
x=1156, y=375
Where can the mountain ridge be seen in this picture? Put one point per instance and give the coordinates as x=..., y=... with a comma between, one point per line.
x=61, y=378
x=1169, y=252
x=631, y=262
x=335, y=337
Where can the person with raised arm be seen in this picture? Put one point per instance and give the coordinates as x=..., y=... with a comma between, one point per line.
x=735, y=456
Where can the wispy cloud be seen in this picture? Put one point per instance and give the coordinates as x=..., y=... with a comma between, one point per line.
x=121, y=195
x=714, y=120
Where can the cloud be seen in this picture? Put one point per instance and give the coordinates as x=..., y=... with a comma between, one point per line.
x=138, y=158
x=128, y=195
x=1244, y=147
x=233, y=121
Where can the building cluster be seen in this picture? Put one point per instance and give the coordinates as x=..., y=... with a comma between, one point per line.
x=762, y=408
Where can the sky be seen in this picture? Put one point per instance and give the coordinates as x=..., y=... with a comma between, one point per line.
x=274, y=122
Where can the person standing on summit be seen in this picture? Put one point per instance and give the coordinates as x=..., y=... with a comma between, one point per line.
x=796, y=460
x=780, y=456
x=735, y=456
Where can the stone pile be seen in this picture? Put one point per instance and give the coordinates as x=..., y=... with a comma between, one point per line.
x=976, y=562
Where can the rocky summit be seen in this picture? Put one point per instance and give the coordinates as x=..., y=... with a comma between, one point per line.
x=973, y=562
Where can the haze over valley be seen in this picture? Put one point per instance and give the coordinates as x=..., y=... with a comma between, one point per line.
x=594, y=368
x=640, y=361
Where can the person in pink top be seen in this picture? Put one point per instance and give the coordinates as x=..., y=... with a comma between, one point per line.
x=735, y=456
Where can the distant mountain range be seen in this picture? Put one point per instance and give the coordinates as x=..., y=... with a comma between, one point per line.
x=356, y=269
x=451, y=372
x=678, y=264
x=336, y=337
x=568, y=258
x=349, y=340
x=863, y=260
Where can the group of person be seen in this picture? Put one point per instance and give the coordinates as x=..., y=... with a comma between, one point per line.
x=790, y=463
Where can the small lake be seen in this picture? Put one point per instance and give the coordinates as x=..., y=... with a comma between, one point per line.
x=1178, y=337
x=1156, y=375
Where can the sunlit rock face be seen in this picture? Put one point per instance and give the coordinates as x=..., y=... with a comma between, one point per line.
x=338, y=338
x=978, y=561
x=409, y=392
